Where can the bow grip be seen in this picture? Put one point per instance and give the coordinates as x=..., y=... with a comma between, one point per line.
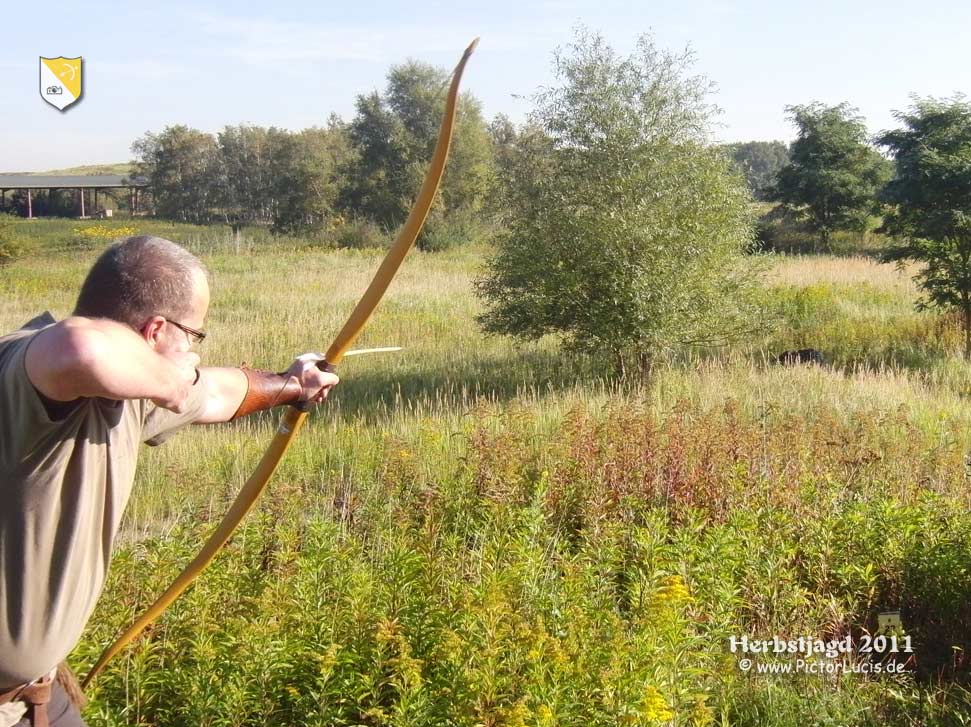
x=323, y=365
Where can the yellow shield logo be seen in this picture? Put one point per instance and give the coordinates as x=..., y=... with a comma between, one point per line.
x=60, y=81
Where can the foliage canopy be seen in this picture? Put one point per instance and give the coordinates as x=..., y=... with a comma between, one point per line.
x=833, y=175
x=625, y=228
x=759, y=162
x=244, y=174
x=930, y=198
x=394, y=134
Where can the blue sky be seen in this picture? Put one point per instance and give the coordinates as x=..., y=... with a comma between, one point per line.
x=291, y=64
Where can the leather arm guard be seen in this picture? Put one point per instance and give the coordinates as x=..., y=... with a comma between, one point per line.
x=266, y=389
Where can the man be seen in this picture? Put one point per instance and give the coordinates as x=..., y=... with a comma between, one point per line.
x=76, y=399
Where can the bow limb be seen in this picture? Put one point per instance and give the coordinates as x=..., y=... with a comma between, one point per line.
x=409, y=233
x=294, y=418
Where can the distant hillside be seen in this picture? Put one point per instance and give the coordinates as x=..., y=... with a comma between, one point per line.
x=122, y=169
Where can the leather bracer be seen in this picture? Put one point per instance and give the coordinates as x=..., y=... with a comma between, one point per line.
x=266, y=389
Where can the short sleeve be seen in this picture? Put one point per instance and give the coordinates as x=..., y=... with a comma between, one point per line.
x=159, y=423
x=22, y=414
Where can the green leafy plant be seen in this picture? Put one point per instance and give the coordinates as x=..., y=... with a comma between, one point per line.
x=625, y=230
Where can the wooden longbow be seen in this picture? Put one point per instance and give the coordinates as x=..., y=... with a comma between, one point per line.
x=294, y=417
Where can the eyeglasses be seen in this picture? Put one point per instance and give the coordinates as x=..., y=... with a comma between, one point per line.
x=195, y=336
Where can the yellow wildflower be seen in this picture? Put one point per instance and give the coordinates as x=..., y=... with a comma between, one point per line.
x=671, y=592
x=103, y=232
x=545, y=716
x=386, y=631
x=517, y=715
x=656, y=708
x=327, y=660
x=701, y=714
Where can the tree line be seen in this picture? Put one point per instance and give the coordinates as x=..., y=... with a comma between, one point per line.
x=618, y=225
x=367, y=169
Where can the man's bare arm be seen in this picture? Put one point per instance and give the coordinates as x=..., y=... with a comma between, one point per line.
x=225, y=389
x=232, y=392
x=85, y=357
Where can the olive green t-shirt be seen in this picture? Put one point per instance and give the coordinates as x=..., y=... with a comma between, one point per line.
x=64, y=484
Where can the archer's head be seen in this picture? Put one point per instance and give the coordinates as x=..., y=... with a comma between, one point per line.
x=153, y=286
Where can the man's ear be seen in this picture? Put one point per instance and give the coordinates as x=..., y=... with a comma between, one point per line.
x=152, y=330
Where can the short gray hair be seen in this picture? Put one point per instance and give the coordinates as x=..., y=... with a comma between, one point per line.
x=137, y=278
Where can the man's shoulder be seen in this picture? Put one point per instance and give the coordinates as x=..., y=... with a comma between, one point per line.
x=30, y=328
x=21, y=394
x=17, y=340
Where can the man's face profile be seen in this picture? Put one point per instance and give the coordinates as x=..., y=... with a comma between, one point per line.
x=165, y=337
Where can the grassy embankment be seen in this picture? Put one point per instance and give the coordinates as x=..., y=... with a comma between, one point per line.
x=122, y=168
x=476, y=531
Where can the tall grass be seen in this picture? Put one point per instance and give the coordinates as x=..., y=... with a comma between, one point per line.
x=481, y=532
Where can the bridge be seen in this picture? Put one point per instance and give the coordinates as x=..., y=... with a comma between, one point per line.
x=83, y=184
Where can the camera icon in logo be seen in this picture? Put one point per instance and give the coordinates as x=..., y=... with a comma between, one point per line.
x=60, y=81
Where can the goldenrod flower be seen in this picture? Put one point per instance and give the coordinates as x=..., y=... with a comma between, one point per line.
x=671, y=592
x=655, y=707
x=103, y=232
x=544, y=716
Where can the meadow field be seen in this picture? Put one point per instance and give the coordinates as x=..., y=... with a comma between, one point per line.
x=480, y=531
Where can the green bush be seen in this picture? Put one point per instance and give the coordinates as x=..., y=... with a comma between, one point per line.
x=457, y=229
x=780, y=230
x=359, y=234
x=12, y=245
x=626, y=231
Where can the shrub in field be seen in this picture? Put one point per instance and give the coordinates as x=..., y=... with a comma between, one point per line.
x=358, y=234
x=456, y=229
x=625, y=229
x=11, y=245
x=780, y=230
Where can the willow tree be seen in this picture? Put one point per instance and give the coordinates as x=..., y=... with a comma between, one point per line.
x=626, y=228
